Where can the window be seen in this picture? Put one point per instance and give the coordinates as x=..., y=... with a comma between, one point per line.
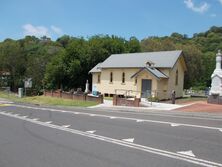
x=135, y=81
x=176, y=83
x=123, y=77
x=111, y=78
x=98, y=81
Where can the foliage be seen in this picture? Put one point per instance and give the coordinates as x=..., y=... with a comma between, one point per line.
x=65, y=63
x=199, y=53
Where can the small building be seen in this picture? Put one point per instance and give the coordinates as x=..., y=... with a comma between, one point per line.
x=144, y=75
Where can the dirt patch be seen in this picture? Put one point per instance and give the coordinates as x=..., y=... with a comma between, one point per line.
x=202, y=106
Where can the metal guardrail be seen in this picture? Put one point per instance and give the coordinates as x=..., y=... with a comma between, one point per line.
x=196, y=93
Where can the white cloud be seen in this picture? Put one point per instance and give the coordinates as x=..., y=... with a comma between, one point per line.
x=199, y=9
x=220, y=1
x=56, y=30
x=37, y=31
x=213, y=15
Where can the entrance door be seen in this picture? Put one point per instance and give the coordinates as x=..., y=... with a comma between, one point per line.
x=146, y=87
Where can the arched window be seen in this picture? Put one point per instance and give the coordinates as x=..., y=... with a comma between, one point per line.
x=123, y=77
x=98, y=78
x=111, y=78
x=176, y=83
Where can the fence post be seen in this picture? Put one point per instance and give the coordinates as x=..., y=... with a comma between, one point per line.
x=115, y=100
x=173, y=95
x=101, y=99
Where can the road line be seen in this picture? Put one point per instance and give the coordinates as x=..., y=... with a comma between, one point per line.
x=190, y=153
x=35, y=119
x=91, y=131
x=131, y=140
x=134, y=119
x=66, y=126
x=63, y=111
x=139, y=120
x=174, y=125
x=164, y=153
x=149, y=113
x=49, y=122
x=112, y=117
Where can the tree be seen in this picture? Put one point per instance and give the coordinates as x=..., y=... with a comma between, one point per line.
x=12, y=61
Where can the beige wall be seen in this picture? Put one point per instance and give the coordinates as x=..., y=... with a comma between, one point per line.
x=162, y=87
x=172, y=79
x=106, y=87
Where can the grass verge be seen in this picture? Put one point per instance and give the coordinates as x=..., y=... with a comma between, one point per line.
x=45, y=100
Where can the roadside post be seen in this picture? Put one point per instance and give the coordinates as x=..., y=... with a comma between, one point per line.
x=27, y=84
x=20, y=92
x=173, y=96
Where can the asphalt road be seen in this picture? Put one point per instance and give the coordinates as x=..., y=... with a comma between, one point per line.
x=32, y=136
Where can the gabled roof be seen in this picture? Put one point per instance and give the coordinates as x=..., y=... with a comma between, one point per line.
x=97, y=68
x=163, y=59
x=158, y=74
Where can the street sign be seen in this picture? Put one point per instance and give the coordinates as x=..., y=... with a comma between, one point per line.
x=28, y=83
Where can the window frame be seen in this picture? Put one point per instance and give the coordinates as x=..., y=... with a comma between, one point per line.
x=123, y=78
x=111, y=77
x=98, y=78
x=177, y=77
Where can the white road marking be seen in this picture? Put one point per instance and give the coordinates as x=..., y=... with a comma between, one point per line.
x=152, y=150
x=139, y=120
x=49, y=122
x=35, y=119
x=220, y=130
x=5, y=105
x=66, y=126
x=25, y=116
x=189, y=153
x=174, y=125
x=112, y=117
x=76, y=112
x=63, y=111
x=16, y=114
x=91, y=131
x=131, y=140
x=134, y=119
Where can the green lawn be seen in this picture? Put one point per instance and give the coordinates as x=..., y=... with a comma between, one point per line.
x=45, y=100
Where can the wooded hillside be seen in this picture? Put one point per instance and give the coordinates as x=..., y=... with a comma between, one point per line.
x=65, y=63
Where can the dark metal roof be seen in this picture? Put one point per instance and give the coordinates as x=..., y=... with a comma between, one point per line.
x=155, y=72
x=163, y=59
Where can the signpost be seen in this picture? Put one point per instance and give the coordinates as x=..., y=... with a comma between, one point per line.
x=28, y=84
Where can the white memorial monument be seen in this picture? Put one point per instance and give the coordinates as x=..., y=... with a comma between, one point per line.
x=215, y=95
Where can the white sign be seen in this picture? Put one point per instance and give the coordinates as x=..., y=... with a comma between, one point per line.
x=28, y=83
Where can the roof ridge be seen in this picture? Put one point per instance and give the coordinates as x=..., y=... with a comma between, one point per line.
x=147, y=52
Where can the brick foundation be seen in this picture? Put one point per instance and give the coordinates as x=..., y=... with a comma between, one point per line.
x=215, y=99
x=118, y=101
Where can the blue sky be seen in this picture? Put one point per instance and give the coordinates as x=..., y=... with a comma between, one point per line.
x=125, y=18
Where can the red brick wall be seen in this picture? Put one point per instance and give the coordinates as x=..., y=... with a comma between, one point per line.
x=79, y=97
x=117, y=101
